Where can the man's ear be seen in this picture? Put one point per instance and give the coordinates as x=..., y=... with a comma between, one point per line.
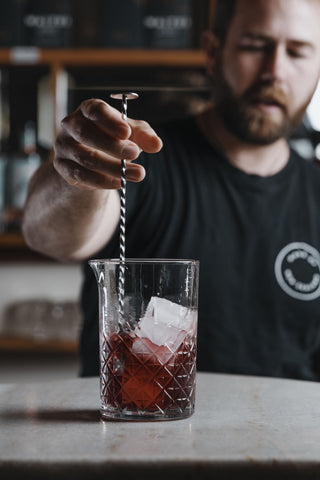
x=209, y=44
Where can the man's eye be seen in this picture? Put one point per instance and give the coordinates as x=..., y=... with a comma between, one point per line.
x=253, y=48
x=296, y=53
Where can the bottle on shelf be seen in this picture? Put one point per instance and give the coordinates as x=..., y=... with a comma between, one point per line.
x=19, y=169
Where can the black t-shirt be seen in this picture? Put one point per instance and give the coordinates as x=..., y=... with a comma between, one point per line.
x=258, y=242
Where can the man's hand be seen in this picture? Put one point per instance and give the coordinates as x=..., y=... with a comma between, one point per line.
x=92, y=142
x=73, y=208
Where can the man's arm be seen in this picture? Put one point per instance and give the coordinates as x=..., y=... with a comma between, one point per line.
x=73, y=206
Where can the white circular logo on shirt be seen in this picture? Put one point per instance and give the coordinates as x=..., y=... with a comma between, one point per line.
x=297, y=270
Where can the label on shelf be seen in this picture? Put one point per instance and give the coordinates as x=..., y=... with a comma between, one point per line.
x=167, y=24
x=25, y=55
x=49, y=23
x=162, y=24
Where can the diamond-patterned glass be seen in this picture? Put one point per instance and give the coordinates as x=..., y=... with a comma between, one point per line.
x=141, y=378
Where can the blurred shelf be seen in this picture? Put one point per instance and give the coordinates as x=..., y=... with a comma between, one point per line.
x=12, y=240
x=21, y=344
x=13, y=248
x=102, y=57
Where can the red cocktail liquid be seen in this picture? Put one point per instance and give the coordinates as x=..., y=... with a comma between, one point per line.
x=137, y=375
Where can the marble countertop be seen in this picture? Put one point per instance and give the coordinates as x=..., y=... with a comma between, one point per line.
x=243, y=427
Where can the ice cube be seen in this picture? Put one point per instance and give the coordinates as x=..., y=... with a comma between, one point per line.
x=150, y=352
x=170, y=313
x=166, y=323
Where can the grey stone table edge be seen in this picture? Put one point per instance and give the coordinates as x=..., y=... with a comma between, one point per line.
x=250, y=426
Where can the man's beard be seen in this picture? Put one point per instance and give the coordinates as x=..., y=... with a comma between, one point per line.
x=242, y=117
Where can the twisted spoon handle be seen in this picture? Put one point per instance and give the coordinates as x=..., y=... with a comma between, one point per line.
x=124, y=109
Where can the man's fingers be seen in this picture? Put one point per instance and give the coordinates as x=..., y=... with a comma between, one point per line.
x=110, y=121
x=86, y=132
x=95, y=160
x=78, y=176
x=144, y=136
x=94, y=139
x=108, y=118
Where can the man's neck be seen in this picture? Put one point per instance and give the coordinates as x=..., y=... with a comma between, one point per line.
x=262, y=160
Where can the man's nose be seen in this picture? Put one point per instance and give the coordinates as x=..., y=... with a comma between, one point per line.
x=275, y=64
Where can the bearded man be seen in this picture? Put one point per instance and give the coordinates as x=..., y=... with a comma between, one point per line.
x=223, y=188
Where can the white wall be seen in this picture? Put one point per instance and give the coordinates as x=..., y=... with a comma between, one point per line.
x=314, y=110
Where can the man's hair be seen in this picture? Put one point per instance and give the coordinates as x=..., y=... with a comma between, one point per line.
x=223, y=15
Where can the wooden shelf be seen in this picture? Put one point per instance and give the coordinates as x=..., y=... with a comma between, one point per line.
x=12, y=240
x=21, y=344
x=13, y=248
x=102, y=57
